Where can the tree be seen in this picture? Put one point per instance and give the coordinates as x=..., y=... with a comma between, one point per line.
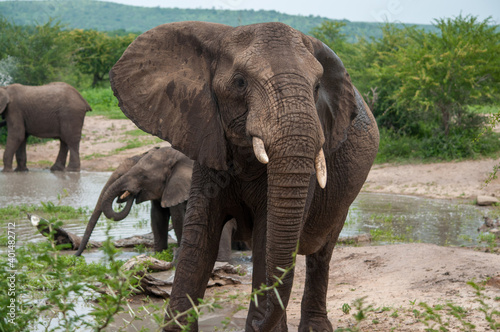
x=96, y=52
x=376, y=74
x=330, y=33
x=446, y=72
x=40, y=52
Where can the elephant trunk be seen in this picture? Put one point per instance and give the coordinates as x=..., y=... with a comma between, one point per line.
x=114, y=191
x=105, y=204
x=288, y=137
x=289, y=170
x=90, y=228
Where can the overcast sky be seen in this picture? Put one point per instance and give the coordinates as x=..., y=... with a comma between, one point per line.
x=406, y=11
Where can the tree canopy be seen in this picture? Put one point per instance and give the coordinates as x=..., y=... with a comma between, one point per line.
x=423, y=85
x=96, y=52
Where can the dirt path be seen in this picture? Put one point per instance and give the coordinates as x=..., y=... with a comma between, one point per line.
x=394, y=279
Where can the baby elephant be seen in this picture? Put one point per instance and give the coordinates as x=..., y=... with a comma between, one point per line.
x=54, y=110
x=160, y=175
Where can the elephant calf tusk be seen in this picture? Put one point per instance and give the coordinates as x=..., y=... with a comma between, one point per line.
x=320, y=165
x=125, y=195
x=260, y=150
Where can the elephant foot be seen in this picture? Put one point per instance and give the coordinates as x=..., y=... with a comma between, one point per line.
x=22, y=169
x=316, y=324
x=172, y=326
x=72, y=169
x=57, y=168
x=7, y=170
x=256, y=324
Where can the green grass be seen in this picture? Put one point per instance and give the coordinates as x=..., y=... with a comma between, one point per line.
x=137, y=132
x=103, y=102
x=44, y=210
x=167, y=254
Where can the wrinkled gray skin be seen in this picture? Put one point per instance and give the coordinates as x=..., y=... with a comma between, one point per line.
x=162, y=176
x=212, y=90
x=54, y=110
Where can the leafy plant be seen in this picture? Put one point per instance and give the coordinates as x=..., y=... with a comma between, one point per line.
x=47, y=285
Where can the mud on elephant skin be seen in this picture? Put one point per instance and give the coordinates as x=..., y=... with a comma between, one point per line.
x=55, y=110
x=162, y=176
x=282, y=142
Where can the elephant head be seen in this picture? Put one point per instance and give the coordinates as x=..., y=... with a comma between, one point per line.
x=162, y=174
x=211, y=90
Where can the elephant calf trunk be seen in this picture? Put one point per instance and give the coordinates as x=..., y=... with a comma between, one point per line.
x=88, y=231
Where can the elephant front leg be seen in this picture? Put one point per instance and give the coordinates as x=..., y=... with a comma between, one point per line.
x=196, y=260
x=11, y=147
x=60, y=163
x=313, y=308
x=21, y=157
x=159, y=224
x=257, y=310
x=198, y=251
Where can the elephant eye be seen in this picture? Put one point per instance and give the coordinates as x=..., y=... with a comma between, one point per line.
x=316, y=90
x=239, y=82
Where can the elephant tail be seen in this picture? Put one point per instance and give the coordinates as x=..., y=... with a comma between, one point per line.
x=87, y=106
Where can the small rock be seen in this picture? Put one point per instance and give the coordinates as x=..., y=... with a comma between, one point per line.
x=494, y=282
x=486, y=200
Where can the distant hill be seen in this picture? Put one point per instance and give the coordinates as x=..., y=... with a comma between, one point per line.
x=108, y=16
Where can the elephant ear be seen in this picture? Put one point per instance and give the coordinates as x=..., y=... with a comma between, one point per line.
x=336, y=104
x=178, y=184
x=4, y=100
x=163, y=84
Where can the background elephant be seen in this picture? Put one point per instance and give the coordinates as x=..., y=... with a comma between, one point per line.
x=162, y=176
x=54, y=110
x=282, y=141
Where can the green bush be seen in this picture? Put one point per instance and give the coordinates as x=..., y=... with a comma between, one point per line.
x=458, y=145
x=103, y=102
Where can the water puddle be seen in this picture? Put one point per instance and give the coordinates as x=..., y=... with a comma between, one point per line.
x=395, y=218
x=79, y=190
x=402, y=218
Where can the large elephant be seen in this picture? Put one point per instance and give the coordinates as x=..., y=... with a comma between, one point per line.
x=54, y=110
x=160, y=175
x=282, y=141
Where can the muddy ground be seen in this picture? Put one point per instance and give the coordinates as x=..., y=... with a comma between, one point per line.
x=394, y=279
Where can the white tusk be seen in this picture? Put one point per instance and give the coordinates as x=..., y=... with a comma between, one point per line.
x=125, y=195
x=320, y=165
x=260, y=150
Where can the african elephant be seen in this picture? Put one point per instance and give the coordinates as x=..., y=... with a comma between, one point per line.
x=54, y=110
x=282, y=141
x=160, y=175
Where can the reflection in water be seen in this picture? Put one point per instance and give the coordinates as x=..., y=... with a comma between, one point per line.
x=72, y=189
x=404, y=218
x=415, y=219
x=41, y=186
